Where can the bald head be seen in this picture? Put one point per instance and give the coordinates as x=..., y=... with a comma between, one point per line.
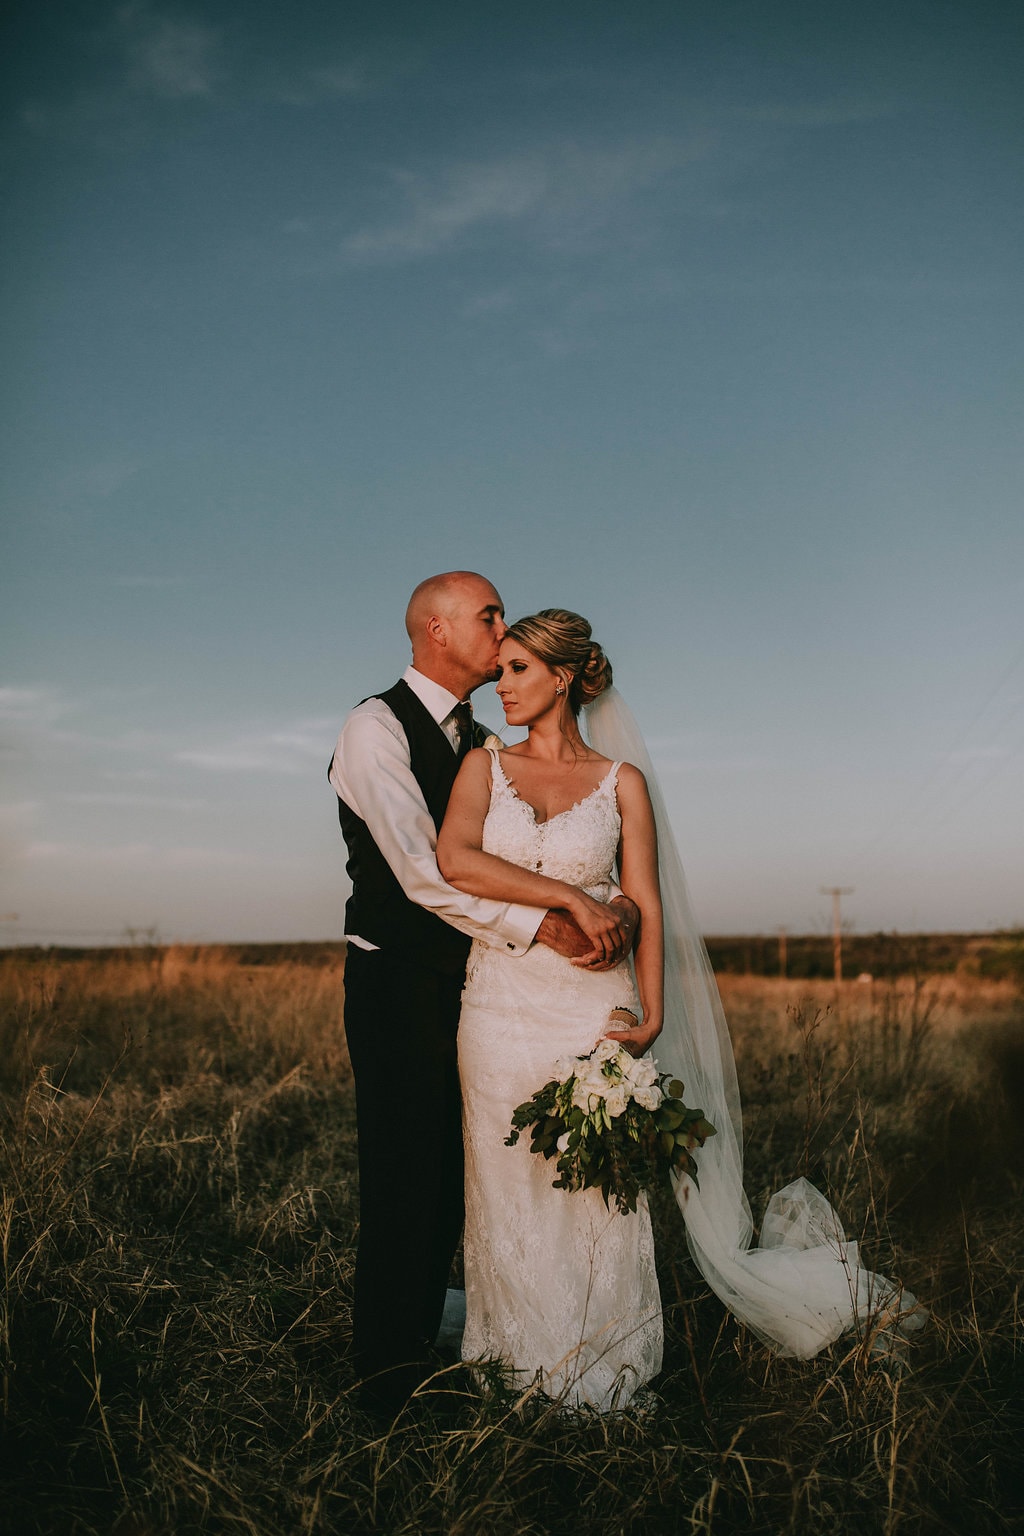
x=455, y=624
x=444, y=597
x=439, y=595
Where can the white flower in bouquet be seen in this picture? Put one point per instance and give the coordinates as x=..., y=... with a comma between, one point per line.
x=641, y=1072
x=588, y=1092
x=606, y=1050
x=616, y=1098
x=648, y=1097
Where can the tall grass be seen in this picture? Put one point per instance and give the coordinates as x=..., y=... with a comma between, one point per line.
x=178, y=1218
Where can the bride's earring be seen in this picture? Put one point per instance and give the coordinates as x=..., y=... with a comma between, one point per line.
x=559, y=689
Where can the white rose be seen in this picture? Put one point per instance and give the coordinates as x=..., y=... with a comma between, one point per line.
x=643, y=1072
x=616, y=1099
x=648, y=1098
x=597, y=1084
x=606, y=1050
x=584, y=1097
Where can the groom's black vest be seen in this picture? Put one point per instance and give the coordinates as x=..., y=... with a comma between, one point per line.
x=378, y=909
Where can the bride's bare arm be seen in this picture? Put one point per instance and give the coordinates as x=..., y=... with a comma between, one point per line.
x=638, y=875
x=464, y=864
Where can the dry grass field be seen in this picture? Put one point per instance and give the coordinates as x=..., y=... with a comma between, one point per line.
x=178, y=1220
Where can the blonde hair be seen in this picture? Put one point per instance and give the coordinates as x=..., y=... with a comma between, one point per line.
x=562, y=641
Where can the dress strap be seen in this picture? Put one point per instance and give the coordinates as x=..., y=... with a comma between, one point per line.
x=611, y=778
x=499, y=778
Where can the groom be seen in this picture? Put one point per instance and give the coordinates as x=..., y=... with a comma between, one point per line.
x=408, y=938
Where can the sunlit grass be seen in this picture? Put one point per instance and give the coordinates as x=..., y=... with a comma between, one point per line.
x=178, y=1220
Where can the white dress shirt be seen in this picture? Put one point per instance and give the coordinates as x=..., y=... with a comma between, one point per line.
x=372, y=773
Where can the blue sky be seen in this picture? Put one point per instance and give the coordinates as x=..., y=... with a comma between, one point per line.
x=705, y=320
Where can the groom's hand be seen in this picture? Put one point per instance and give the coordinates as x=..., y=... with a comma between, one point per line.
x=558, y=931
x=627, y=914
x=629, y=920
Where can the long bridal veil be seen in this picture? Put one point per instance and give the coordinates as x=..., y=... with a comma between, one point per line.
x=802, y=1286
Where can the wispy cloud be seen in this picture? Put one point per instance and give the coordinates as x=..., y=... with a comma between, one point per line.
x=127, y=800
x=699, y=752
x=141, y=855
x=494, y=302
x=559, y=195
x=142, y=53
x=18, y=821
x=168, y=55
x=571, y=191
x=30, y=706
x=39, y=724
x=288, y=751
x=968, y=755
x=822, y=114
x=96, y=481
x=352, y=79
x=41, y=721
x=736, y=764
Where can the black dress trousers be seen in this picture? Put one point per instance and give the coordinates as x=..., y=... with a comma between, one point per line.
x=401, y=1022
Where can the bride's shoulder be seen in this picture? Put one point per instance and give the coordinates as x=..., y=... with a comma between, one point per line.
x=476, y=765
x=631, y=784
x=631, y=773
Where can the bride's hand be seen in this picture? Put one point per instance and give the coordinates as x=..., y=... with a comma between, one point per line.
x=636, y=1038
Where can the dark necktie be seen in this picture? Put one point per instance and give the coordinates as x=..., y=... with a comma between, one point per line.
x=462, y=714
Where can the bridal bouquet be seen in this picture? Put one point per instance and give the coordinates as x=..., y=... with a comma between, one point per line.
x=614, y=1122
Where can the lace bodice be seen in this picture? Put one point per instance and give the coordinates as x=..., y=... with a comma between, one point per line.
x=578, y=845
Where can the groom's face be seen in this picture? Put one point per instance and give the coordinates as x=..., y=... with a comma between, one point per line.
x=476, y=628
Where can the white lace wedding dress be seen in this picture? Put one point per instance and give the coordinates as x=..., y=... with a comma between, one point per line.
x=558, y=1287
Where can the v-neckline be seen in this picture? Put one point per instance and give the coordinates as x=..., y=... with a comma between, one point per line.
x=533, y=809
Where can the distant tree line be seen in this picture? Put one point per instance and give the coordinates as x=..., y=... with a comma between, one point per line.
x=808, y=956
x=994, y=956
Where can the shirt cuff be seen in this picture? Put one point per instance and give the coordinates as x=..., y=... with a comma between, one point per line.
x=519, y=928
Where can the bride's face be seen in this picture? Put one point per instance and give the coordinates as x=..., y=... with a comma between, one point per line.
x=527, y=685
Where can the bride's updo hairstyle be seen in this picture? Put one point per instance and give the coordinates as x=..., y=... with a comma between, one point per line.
x=562, y=641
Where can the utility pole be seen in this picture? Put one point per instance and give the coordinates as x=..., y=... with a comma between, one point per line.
x=836, y=891
x=782, y=951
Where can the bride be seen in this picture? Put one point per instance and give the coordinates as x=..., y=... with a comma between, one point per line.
x=560, y=1289
x=556, y=1285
